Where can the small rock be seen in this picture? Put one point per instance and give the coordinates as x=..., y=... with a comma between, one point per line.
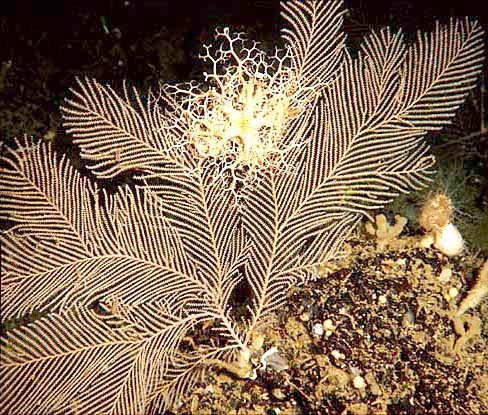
x=274, y=360
x=452, y=293
x=318, y=330
x=408, y=319
x=328, y=327
x=359, y=382
x=427, y=241
x=337, y=354
x=278, y=394
x=445, y=275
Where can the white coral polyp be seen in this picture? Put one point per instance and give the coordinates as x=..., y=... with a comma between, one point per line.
x=238, y=122
x=449, y=240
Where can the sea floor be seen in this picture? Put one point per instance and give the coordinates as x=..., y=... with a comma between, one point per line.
x=375, y=333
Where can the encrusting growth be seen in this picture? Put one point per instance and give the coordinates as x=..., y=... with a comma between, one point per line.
x=477, y=292
x=383, y=231
x=436, y=212
x=436, y=217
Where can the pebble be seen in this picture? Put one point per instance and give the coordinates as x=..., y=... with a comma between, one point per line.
x=318, y=330
x=337, y=354
x=329, y=327
x=427, y=241
x=453, y=292
x=445, y=275
x=359, y=382
x=278, y=394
